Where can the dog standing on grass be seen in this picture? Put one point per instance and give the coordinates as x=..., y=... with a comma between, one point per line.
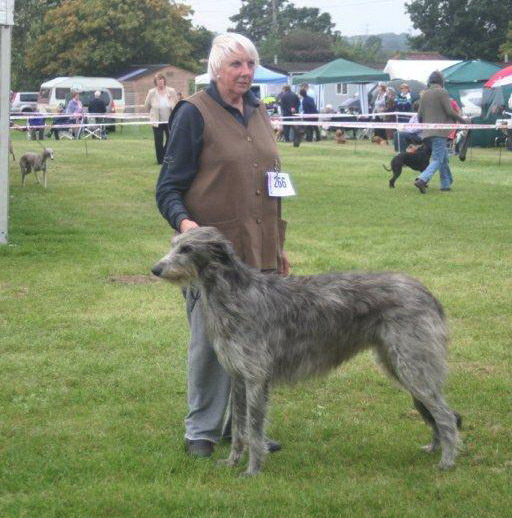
x=415, y=157
x=268, y=329
x=33, y=161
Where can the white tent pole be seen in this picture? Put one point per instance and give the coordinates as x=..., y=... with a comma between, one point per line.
x=5, y=85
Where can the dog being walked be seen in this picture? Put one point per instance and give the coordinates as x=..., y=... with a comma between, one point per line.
x=268, y=329
x=35, y=162
x=415, y=157
x=11, y=150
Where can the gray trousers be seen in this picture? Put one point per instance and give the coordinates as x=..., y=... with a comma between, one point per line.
x=208, y=383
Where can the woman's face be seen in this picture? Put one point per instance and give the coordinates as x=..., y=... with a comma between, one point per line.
x=236, y=74
x=160, y=82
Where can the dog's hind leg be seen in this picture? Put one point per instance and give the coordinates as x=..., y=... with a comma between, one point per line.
x=25, y=169
x=238, y=422
x=397, y=171
x=429, y=419
x=422, y=375
x=257, y=398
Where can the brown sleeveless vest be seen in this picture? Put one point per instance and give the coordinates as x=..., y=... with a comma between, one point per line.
x=229, y=191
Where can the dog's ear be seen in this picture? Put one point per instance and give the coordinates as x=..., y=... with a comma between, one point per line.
x=222, y=251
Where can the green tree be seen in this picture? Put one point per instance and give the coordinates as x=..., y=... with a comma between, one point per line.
x=461, y=29
x=256, y=22
x=506, y=47
x=28, y=26
x=97, y=37
x=201, y=40
x=303, y=45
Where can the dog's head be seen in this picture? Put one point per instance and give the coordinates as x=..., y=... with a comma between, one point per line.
x=412, y=148
x=48, y=153
x=192, y=253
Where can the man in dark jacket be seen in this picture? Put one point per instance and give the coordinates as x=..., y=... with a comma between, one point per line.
x=308, y=108
x=290, y=104
x=98, y=106
x=435, y=107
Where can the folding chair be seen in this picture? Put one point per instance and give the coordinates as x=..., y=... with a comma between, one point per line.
x=64, y=132
x=95, y=131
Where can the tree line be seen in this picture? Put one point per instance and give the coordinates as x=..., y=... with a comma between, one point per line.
x=104, y=37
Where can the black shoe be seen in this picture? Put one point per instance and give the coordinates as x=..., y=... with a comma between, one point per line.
x=421, y=185
x=446, y=189
x=199, y=447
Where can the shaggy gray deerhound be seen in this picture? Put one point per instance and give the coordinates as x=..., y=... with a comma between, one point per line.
x=36, y=162
x=268, y=329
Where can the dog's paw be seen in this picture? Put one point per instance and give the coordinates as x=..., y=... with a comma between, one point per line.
x=230, y=462
x=430, y=448
x=249, y=473
x=446, y=466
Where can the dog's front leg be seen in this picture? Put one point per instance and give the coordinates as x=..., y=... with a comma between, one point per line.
x=257, y=397
x=44, y=177
x=238, y=421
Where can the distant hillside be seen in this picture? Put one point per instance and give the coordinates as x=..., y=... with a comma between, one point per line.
x=391, y=42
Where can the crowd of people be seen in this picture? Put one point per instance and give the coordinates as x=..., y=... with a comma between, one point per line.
x=68, y=118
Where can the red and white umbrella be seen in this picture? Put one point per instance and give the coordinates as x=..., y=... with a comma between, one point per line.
x=500, y=78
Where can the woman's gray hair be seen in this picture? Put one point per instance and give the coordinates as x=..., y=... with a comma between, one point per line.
x=223, y=46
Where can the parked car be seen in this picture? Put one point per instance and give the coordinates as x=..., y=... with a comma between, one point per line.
x=24, y=102
x=57, y=91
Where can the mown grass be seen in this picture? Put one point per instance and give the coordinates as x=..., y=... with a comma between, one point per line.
x=93, y=385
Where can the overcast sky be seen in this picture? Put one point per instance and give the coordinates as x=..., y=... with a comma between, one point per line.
x=350, y=16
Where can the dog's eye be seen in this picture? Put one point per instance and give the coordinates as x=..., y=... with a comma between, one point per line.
x=185, y=249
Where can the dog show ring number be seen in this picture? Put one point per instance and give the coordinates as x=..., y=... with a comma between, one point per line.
x=279, y=184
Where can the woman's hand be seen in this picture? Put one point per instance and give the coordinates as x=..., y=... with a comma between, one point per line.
x=285, y=265
x=187, y=224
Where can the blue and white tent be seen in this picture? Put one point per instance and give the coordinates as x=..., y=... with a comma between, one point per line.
x=262, y=76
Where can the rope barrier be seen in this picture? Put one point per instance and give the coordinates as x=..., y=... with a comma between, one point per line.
x=297, y=120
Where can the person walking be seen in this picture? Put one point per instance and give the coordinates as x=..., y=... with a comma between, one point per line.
x=435, y=107
x=214, y=173
x=308, y=108
x=290, y=104
x=160, y=102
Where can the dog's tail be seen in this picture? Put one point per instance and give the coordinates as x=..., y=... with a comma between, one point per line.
x=388, y=170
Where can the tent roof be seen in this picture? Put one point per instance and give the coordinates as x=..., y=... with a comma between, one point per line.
x=419, y=69
x=470, y=71
x=261, y=76
x=341, y=71
x=500, y=78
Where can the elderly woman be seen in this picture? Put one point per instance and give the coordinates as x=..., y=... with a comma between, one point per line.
x=160, y=101
x=75, y=111
x=215, y=173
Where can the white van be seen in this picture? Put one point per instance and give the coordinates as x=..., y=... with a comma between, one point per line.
x=56, y=91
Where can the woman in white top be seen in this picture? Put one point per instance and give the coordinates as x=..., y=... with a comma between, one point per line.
x=160, y=101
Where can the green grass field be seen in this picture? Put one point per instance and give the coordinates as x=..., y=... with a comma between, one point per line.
x=93, y=354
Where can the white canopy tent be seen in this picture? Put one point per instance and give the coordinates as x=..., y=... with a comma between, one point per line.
x=419, y=69
x=262, y=76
